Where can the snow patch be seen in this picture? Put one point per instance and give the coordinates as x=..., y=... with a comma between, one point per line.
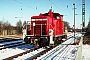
x=86, y=52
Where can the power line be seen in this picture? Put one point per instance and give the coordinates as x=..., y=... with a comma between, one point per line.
x=27, y=5
x=55, y=5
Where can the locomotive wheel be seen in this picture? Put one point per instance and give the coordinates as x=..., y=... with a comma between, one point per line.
x=55, y=40
x=26, y=40
x=65, y=36
x=43, y=42
x=60, y=38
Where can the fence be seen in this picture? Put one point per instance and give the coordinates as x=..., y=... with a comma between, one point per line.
x=79, y=52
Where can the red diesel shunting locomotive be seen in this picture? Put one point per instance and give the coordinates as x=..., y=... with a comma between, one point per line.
x=45, y=29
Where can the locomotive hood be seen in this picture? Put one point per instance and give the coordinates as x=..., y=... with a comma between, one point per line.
x=49, y=14
x=41, y=16
x=38, y=17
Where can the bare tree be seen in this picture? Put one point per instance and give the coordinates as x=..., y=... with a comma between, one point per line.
x=7, y=26
x=24, y=24
x=1, y=27
x=19, y=27
x=66, y=24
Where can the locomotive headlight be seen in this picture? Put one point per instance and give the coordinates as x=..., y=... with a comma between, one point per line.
x=33, y=23
x=58, y=17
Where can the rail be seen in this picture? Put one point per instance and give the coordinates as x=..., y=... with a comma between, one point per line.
x=79, y=52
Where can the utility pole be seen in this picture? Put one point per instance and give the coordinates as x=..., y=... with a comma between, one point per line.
x=83, y=15
x=74, y=21
x=89, y=16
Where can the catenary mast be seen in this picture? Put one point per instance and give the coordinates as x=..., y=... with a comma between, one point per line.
x=83, y=15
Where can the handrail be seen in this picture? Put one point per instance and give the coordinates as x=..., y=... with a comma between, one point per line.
x=79, y=52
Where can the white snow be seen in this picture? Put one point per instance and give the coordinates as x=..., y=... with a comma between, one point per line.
x=86, y=52
x=29, y=55
x=61, y=52
x=9, y=52
x=5, y=53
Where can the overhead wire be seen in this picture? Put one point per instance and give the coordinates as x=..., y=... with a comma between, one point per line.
x=27, y=5
x=59, y=8
x=55, y=5
x=36, y=8
x=10, y=9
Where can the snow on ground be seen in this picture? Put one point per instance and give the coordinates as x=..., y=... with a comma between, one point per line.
x=5, y=53
x=86, y=52
x=9, y=52
x=58, y=52
x=61, y=52
x=67, y=54
x=29, y=55
x=64, y=52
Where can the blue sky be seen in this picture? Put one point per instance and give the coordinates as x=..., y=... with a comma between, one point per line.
x=9, y=9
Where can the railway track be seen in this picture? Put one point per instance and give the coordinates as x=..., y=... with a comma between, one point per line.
x=30, y=51
x=15, y=56
x=9, y=43
x=9, y=39
x=32, y=57
x=62, y=48
x=33, y=53
x=5, y=45
x=15, y=45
